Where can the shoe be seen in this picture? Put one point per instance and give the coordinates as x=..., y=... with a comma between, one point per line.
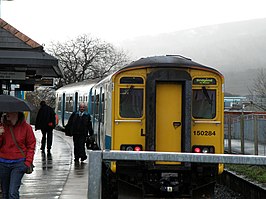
x=84, y=158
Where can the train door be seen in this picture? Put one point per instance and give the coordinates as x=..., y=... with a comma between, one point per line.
x=76, y=102
x=168, y=111
x=168, y=117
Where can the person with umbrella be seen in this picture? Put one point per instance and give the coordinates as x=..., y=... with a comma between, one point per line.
x=17, y=145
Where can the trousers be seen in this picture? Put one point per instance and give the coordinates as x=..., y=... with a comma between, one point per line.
x=11, y=175
x=47, y=134
x=79, y=146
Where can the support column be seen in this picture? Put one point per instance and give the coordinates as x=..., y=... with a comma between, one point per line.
x=95, y=175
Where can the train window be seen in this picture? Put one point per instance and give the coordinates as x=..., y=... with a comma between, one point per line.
x=59, y=104
x=204, y=103
x=70, y=104
x=96, y=110
x=131, y=80
x=67, y=104
x=131, y=102
x=92, y=103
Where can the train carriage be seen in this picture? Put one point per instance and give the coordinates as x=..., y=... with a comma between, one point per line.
x=164, y=104
x=68, y=97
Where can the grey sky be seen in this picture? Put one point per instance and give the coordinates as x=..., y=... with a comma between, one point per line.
x=117, y=20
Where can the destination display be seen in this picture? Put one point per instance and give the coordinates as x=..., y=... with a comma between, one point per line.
x=204, y=81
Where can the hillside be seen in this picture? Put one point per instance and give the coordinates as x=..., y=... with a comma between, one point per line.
x=236, y=49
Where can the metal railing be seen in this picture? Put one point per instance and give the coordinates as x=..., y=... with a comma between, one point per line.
x=96, y=159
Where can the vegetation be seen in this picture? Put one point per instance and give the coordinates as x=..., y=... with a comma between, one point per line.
x=82, y=58
x=252, y=172
x=86, y=58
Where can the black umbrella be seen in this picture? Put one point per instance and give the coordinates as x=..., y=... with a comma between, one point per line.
x=10, y=103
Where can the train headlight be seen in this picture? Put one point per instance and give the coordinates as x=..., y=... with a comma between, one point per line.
x=205, y=150
x=131, y=147
x=202, y=149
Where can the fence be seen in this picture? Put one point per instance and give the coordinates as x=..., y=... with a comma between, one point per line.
x=245, y=133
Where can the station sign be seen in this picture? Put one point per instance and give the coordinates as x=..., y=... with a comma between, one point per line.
x=10, y=75
x=44, y=82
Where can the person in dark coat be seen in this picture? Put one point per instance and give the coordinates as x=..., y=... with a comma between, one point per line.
x=45, y=121
x=79, y=126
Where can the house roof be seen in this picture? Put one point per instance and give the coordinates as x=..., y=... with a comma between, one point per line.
x=19, y=53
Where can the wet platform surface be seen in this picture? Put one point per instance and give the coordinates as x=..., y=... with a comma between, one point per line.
x=56, y=175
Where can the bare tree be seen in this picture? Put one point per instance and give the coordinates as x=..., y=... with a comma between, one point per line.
x=258, y=89
x=35, y=97
x=87, y=58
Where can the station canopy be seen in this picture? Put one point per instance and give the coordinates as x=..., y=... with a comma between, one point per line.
x=22, y=59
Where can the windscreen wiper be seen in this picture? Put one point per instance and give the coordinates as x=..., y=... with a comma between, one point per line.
x=205, y=92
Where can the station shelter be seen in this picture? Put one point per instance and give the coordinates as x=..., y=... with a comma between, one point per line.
x=23, y=62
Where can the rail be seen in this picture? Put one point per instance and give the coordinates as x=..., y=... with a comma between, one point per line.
x=97, y=157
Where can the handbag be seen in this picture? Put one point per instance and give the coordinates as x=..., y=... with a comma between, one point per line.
x=29, y=169
x=91, y=143
x=68, y=131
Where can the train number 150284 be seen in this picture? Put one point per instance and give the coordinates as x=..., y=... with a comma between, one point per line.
x=204, y=133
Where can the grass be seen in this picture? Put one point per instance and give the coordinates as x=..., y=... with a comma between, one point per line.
x=254, y=173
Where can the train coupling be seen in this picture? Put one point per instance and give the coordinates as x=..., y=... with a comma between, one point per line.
x=169, y=187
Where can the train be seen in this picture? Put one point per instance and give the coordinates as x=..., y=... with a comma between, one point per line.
x=161, y=103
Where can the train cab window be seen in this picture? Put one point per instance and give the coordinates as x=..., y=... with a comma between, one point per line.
x=204, y=103
x=131, y=102
x=131, y=80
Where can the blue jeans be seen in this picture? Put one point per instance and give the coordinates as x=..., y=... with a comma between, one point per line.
x=11, y=175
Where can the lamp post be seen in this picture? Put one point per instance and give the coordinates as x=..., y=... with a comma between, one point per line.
x=1, y=6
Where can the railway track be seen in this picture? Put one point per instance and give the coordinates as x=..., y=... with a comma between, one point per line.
x=242, y=186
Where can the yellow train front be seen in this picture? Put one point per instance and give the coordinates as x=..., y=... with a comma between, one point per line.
x=164, y=104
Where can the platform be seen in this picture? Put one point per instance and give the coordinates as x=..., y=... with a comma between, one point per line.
x=56, y=175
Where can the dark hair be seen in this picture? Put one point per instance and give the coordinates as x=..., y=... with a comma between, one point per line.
x=42, y=103
x=21, y=117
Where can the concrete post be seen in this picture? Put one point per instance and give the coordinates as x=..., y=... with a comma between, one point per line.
x=95, y=175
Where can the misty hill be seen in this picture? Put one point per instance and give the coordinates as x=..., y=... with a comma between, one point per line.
x=236, y=49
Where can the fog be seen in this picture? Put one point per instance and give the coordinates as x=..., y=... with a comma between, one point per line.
x=235, y=49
